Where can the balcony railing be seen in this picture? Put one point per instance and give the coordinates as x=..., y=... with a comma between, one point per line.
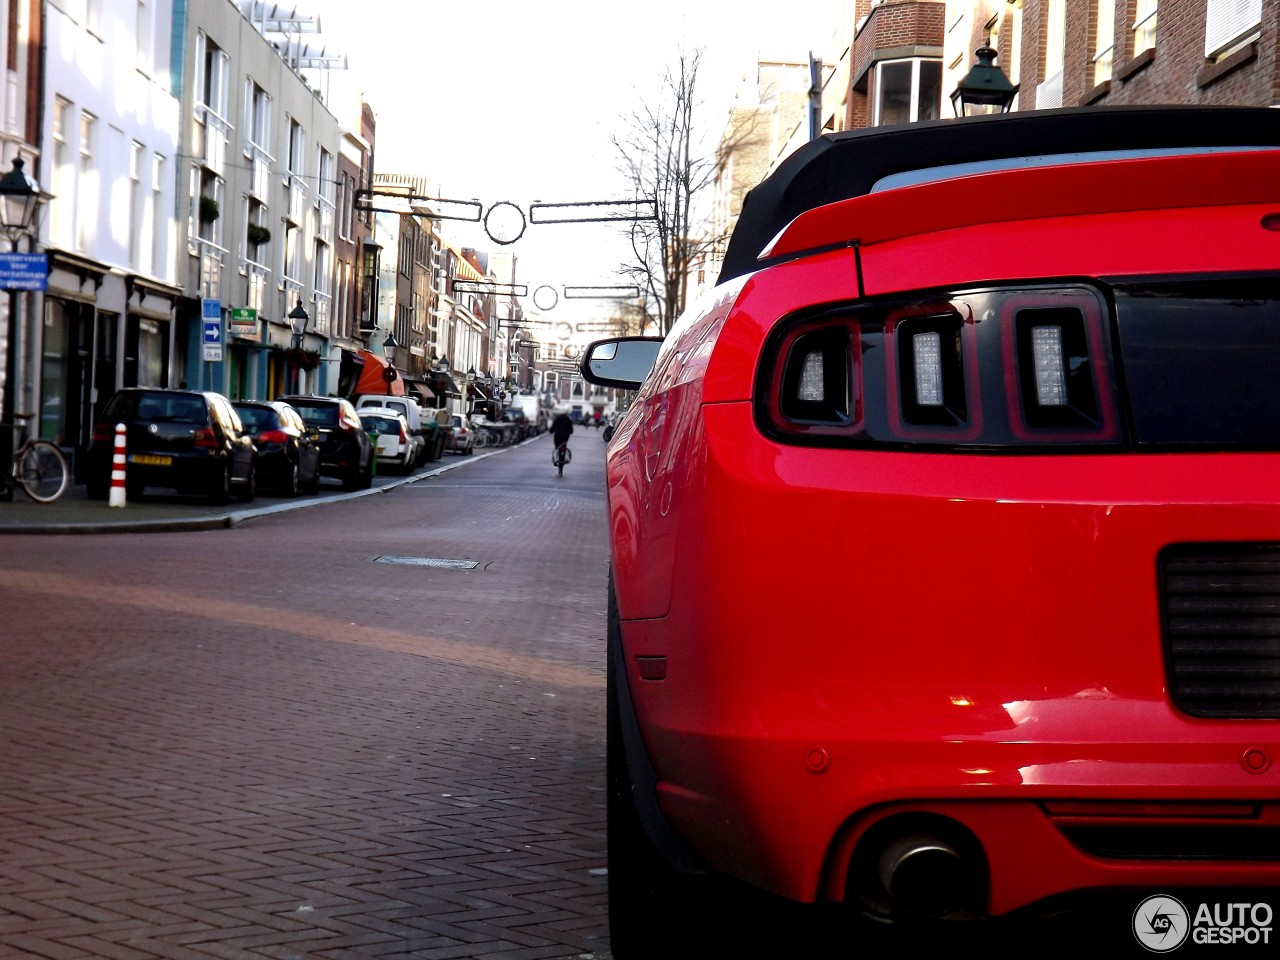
x=211, y=139
x=324, y=229
x=297, y=198
x=258, y=281
x=210, y=257
x=260, y=165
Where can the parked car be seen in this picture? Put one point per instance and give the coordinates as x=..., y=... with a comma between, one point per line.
x=183, y=440
x=394, y=445
x=345, y=450
x=978, y=416
x=461, y=436
x=429, y=443
x=288, y=450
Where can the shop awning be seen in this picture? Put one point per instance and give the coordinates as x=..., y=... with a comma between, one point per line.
x=422, y=390
x=373, y=377
x=442, y=384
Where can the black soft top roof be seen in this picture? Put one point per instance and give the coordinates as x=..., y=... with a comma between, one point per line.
x=842, y=165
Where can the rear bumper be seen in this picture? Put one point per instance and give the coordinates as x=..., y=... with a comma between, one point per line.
x=967, y=637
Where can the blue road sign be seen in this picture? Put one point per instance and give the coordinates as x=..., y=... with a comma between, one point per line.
x=24, y=271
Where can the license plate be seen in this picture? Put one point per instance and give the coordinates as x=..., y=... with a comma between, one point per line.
x=151, y=460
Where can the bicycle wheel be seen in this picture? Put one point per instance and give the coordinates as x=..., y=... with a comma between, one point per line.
x=42, y=471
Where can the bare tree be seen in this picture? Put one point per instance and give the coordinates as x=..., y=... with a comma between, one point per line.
x=662, y=154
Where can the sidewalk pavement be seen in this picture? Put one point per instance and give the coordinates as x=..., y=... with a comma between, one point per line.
x=74, y=512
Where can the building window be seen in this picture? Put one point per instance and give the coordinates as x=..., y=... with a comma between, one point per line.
x=63, y=206
x=88, y=180
x=1144, y=26
x=1049, y=90
x=142, y=31
x=1104, y=42
x=907, y=91
x=137, y=152
x=1229, y=23
x=158, y=242
x=257, y=119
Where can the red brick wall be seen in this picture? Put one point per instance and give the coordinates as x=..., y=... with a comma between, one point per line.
x=1177, y=73
x=906, y=23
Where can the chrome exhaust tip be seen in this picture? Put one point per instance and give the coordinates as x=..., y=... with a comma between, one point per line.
x=925, y=876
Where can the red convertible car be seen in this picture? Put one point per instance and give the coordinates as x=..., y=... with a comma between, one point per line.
x=945, y=530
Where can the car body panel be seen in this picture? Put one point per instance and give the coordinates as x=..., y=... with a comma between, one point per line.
x=160, y=442
x=822, y=635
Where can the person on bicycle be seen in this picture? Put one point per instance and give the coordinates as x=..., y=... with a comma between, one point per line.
x=561, y=428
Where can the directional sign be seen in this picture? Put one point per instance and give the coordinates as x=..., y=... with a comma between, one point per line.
x=24, y=271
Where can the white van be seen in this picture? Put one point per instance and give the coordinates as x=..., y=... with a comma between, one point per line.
x=408, y=408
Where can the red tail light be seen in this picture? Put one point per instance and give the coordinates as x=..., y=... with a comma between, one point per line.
x=205, y=438
x=988, y=367
x=404, y=437
x=273, y=436
x=104, y=433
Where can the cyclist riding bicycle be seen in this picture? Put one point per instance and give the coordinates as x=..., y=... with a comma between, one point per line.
x=561, y=428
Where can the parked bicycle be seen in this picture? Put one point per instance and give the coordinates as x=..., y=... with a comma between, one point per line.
x=39, y=468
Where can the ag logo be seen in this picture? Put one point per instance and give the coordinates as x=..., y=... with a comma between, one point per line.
x=1161, y=923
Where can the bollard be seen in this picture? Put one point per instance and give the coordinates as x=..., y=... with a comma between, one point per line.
x=118, y=498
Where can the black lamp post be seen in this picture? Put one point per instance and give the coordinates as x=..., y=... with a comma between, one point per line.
x=298, y=320
x=985, y=88
x=20, y=198
x=389, y=352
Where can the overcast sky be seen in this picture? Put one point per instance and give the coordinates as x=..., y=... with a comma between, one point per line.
x=516, y=101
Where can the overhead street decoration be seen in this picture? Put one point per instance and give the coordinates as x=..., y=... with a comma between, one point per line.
x=619, y=292
x=489, y=286
x=593, y=211
x=504, y=222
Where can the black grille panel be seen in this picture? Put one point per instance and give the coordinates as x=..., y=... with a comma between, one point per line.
x=1222, y=628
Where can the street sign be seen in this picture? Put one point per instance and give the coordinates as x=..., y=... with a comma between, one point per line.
x=24, y=271
x=213, y=352
x=244, y=322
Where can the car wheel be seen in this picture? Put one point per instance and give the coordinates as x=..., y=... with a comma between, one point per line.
x=291, y=481
x=312, y=485
x=641, y=885
x=365, y=479
x=351, y=481
x=249, y=490
x=221, y=491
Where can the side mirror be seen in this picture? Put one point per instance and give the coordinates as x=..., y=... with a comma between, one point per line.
x=621, y=362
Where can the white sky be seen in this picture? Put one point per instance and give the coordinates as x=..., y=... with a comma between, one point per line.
x=516, y=101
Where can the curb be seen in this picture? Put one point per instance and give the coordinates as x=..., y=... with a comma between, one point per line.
x=225, y=521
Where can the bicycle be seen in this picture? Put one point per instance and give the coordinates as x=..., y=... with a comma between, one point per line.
x=560, y=457
x=39, y=468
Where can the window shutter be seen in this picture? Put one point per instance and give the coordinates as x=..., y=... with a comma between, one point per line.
x=1229, y=21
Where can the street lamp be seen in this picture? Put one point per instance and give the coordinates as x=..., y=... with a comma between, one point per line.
x=20, y=199
x=389, y=352
x=298, y=320
x=985, y=89
x=466, y=400
x=442, y=364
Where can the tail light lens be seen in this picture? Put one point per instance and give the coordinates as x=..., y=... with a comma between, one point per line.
x=206, y=438
x=989, y=368
x=104, y=433
x=404, y=437
x=273, y=436
x=348, y=422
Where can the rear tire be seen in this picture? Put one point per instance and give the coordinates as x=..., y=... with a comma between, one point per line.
x=249, y=490
x=221, y=491
x=43, y=472
x=291, y=485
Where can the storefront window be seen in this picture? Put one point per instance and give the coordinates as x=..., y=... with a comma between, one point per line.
x=53, y=377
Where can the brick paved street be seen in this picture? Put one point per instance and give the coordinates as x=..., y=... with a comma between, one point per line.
x=259, y=742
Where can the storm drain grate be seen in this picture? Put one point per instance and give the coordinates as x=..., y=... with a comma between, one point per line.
x=430, y=562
